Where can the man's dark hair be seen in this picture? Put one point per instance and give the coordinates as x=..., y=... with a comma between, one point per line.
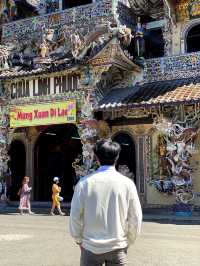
x=107, y=151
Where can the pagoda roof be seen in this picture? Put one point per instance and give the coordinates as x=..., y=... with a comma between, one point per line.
x=162, y=93
x=110, y=51
x=151, y=7
x=51, y=65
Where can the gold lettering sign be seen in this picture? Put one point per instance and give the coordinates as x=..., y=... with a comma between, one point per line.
x=43, y=114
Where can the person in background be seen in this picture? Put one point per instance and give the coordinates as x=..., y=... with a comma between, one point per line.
x=56, y=197
x=106, y=215
x=24, y=194
x=3, y=192
x=8, y=181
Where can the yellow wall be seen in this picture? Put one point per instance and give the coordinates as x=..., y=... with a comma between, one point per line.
x=153, y=197
x=176, y=39
x=195, y=164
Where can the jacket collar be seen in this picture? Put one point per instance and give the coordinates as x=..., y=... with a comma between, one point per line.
x=106, y=168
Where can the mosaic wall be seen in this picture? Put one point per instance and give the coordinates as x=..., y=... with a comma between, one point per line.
x=75, y=16
x=125, y=15
x=59, y=35
x=172, y=67
x=10, y=10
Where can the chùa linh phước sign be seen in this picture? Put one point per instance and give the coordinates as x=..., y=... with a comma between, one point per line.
x=43, y=114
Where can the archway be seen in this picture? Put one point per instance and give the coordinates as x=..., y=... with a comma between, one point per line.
x=193, y=39
x=17, y=154
x=55, y=150
x=127, y=155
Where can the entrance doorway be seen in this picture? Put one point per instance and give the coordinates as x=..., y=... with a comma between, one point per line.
x=55, y=151
x=127, y=154
x=154, y=43
x=17, y=154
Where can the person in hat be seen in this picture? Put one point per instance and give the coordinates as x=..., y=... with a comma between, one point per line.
x=56, y=199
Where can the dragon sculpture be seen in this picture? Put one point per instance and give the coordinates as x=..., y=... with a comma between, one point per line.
x=176, y=146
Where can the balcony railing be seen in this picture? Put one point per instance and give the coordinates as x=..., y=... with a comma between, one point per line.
x=74, y=16
x=172, y=67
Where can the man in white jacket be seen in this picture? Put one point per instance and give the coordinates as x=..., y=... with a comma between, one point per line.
x=106, y=214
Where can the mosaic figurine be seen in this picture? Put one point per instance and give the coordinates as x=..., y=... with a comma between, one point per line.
x=44, y=50
x=139, y=38
x=4, y=55
x=75, y=43
x=125, y=35
x=12, y=8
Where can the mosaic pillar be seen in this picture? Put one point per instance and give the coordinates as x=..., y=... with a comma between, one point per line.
x=31, y=136
x=4, y=130
x=167, y=33
x=88, y=127
x=167, y=36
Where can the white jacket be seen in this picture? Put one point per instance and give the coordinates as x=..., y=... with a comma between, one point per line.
x=105, y=211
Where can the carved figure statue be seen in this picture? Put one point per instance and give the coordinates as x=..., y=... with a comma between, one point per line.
x=4, y=56
x=75, y=43
x=12, y=8
x=49, y=35
x=113, y=29
x=125, y=35
x=44, y=50
x=139, y=38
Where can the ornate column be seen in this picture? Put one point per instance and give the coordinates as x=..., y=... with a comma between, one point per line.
x=4, y=128
x=167, y=33
x=91, y=76
x=88, y=127
x=31, y=136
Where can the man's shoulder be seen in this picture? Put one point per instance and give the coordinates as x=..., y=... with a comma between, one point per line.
x=126, y=180
x=85, y=179
x=116, y=176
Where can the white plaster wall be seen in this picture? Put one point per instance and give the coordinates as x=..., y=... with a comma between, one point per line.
x=176, y=39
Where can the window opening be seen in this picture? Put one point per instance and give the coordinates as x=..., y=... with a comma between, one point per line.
x=75, y=3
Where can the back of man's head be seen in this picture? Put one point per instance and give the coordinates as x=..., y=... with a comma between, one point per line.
x=107, y=152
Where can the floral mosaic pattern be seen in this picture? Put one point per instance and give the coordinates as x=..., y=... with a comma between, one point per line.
x=172, y=67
